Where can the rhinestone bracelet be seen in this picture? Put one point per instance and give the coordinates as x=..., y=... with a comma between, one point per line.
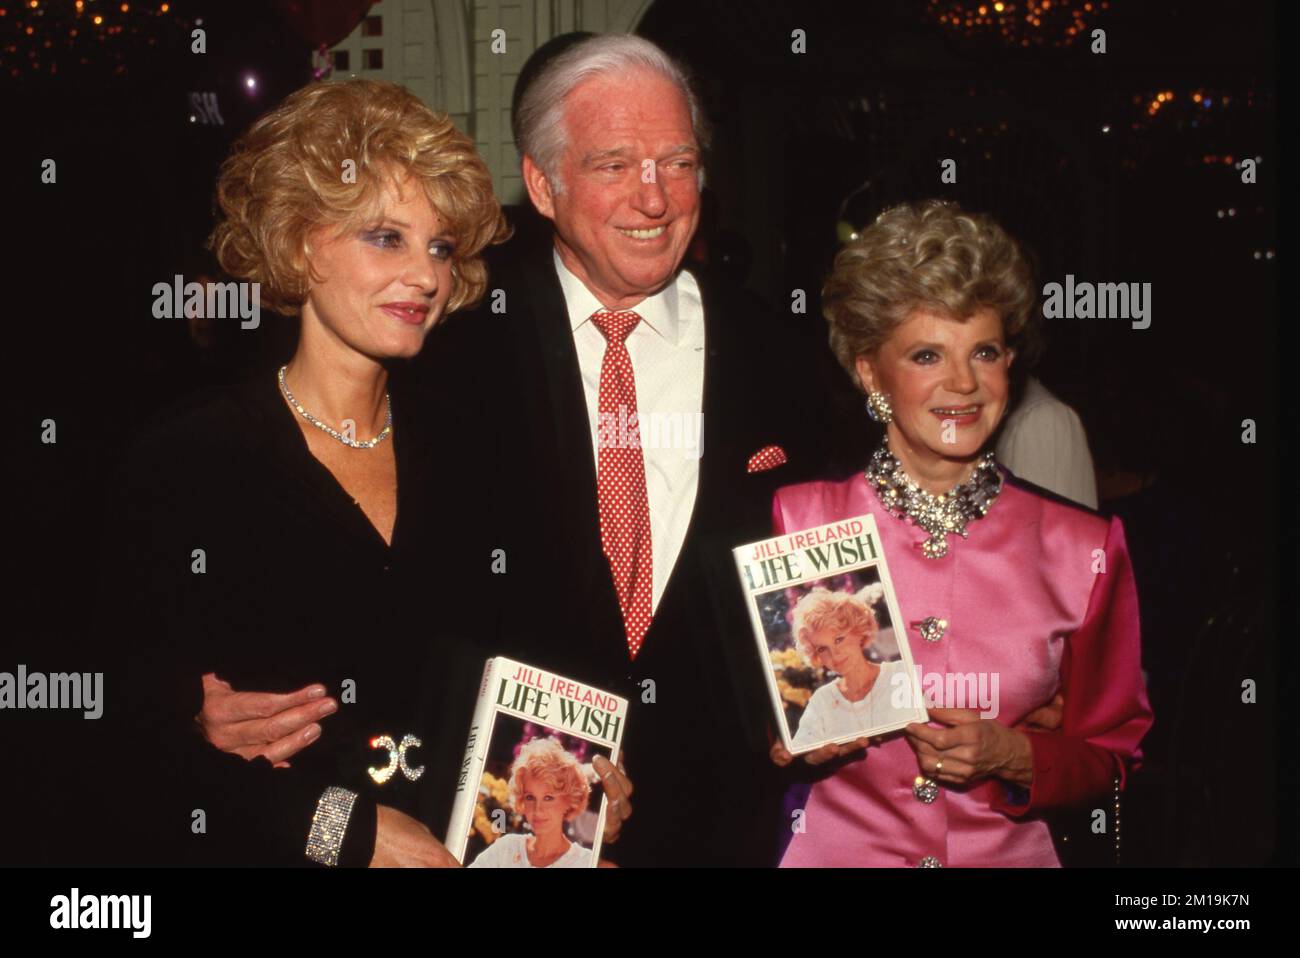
x=329, y=825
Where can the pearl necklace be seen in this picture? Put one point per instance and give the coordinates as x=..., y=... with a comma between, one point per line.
x=324, y=427
x=936, y=515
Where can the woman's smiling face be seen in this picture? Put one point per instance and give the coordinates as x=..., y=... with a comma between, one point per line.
x=836, y=649
x=383, y=286
x=947, y=381
x=544, y=805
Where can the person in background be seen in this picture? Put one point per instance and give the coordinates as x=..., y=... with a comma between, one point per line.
x=1043, y=442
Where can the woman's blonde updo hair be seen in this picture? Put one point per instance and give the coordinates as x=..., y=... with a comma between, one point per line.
x=285, y=178
x=930, y=254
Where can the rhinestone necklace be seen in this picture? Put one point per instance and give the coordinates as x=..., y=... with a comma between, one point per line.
x=936, y=515
x=323, y=427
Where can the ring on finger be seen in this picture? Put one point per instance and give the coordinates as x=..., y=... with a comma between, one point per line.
x=938, y=766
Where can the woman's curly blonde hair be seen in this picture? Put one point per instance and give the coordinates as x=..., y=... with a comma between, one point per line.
x=547, y=761
x=843, y=612
x=286, y=177
x=928, y=254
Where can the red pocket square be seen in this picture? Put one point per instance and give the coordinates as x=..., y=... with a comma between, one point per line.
x=769, y=457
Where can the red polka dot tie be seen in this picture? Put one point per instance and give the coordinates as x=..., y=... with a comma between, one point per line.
x=620, y=482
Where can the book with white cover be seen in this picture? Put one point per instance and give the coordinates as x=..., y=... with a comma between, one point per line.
x=527, y=795
x=832, y=640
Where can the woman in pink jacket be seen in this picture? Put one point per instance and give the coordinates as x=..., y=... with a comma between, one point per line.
x=1009, y=596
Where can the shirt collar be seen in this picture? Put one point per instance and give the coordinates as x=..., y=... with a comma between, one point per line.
x=659, y=312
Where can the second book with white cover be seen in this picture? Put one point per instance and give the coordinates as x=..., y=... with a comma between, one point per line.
x=527, y=795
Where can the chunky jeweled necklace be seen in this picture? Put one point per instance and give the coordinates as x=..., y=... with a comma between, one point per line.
x=325, y=427
x=936, y=515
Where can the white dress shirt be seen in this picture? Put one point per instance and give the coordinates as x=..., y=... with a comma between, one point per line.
x=1044, y=442
x=667, y=351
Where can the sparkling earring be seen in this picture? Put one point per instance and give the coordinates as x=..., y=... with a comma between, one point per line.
x=878, y=408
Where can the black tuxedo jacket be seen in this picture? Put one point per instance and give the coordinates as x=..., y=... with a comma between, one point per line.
x=520, y=476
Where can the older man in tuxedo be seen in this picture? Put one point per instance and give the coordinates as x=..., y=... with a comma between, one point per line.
x=612, y=429
x=617, y=538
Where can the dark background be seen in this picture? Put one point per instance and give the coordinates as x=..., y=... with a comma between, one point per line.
x=1061, y=145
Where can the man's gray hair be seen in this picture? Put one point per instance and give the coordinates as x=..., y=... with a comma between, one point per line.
x=540, y=127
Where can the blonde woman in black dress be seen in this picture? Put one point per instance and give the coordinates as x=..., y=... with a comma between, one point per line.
x=277, y=534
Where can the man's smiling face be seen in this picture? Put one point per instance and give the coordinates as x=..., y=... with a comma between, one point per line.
x=622, y=236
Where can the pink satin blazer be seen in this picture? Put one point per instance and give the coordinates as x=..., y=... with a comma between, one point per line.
x=1022, y=600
